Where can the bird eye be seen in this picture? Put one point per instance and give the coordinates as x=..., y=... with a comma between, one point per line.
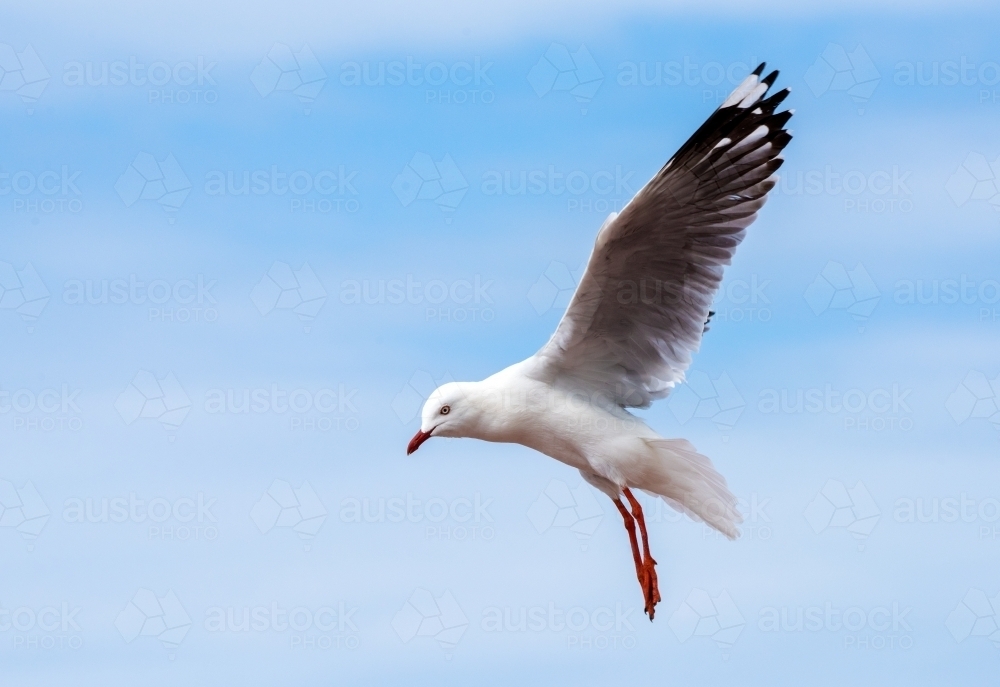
x=445, y=410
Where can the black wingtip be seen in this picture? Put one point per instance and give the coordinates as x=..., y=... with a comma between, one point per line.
x=760, y=69
x=770, y=78
x=775, y=99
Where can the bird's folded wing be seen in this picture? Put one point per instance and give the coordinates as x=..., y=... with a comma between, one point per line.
x=641, y=307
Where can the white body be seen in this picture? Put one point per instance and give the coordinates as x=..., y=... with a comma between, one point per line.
x=610, y=447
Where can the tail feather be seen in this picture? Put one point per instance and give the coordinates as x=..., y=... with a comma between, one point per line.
x=687, y=481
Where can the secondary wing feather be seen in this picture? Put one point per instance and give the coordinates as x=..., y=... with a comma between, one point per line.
x=641, y=308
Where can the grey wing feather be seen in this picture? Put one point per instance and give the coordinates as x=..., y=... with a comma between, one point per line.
x=641, y=308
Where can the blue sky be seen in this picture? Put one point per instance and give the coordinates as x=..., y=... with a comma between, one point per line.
x=144, y=301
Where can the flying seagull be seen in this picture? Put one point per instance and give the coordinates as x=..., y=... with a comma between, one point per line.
x=627, y=336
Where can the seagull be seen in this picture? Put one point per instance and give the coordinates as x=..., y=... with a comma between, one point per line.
x=627, y=336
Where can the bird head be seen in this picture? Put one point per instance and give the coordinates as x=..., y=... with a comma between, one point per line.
x=446, y=413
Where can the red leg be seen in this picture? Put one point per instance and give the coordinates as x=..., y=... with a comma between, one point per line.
x=630, y=526
x=650, y=587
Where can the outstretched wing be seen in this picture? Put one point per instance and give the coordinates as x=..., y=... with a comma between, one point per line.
x=643, y=303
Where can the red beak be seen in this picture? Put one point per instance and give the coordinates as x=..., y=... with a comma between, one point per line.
x=418, y=438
